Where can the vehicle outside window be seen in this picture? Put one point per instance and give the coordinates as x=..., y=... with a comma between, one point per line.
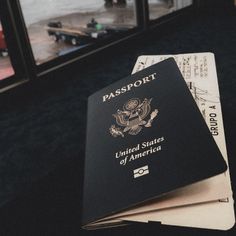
x=56, y=28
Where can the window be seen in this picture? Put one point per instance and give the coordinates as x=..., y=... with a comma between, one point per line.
x=58, y=27
x=6, y=69
x=46, y=35
x=12, y=63
x=159, y=8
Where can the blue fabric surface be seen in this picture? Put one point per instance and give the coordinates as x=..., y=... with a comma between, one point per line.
x=43, y=128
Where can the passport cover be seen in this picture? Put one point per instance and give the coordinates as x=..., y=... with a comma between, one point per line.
x=145, y=137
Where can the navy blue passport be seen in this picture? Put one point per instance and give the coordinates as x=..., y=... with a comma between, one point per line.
x=145, y=138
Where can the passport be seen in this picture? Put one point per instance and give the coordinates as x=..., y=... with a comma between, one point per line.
x=146, y=138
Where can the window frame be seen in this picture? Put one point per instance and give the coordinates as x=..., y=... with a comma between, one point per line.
x=58, y=62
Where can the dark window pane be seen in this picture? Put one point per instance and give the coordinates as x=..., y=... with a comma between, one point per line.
x=159, y=8
x=57, y=27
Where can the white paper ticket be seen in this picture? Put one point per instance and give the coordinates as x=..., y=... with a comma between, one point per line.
x=199, y=72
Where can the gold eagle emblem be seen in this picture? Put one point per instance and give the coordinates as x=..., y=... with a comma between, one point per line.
x=132, y=117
